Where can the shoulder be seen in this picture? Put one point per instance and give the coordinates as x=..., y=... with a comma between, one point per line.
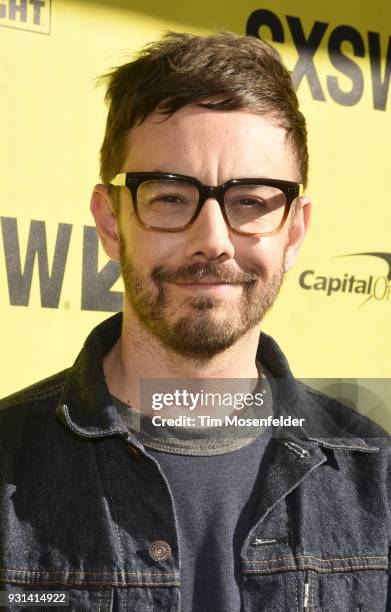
x=29, y=428
x=327, y=416
x=38, y=397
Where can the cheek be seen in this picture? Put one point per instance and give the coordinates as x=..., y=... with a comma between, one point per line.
x=147, y=250
x=267, y=254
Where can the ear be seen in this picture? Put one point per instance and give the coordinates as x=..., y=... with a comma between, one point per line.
x=106, y=221
x=297, y=231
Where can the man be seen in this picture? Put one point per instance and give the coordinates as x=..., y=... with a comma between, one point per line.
x=200, y=202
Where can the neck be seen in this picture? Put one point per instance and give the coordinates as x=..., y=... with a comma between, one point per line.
x=138, y=355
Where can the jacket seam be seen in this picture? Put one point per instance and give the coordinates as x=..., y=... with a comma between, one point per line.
x=315, y=568
x=113, y=510
x=88, y=434
x=100, y=599
x=82, y=583
x=27, y=571
x=365, y=449
x=32, y=398
x=292, y=557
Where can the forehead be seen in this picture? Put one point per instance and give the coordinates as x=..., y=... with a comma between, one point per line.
x=204, y=142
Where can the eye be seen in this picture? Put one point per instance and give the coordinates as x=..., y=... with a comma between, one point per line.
x=250, y=202
x=169, y=199
x=167, y=194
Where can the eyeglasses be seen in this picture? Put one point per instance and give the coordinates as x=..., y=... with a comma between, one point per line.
x=172, y=202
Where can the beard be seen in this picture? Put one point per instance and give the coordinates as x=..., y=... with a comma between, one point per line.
x=201, y=326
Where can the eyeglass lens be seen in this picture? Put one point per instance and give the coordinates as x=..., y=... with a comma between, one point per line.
x=171, y=204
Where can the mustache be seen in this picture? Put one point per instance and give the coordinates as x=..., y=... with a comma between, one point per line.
x=199, y=271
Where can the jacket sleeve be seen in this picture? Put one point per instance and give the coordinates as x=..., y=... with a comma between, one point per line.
x=388, y=604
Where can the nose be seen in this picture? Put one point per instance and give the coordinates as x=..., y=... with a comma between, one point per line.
x=209, y=237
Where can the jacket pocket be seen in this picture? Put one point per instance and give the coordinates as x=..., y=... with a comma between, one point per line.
x=308, y=584
x=353, y=591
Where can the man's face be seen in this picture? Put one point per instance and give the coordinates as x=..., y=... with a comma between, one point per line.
x=166, y=274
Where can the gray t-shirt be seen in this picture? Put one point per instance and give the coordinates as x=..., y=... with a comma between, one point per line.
x=215, y=485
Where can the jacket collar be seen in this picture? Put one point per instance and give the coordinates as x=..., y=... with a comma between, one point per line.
x=85, y=406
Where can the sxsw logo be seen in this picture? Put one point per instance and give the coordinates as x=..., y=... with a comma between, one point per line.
x=31, y=15
x=343, y=47
x=96, y=283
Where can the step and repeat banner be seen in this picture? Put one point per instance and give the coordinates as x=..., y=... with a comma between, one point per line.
x=332, y=318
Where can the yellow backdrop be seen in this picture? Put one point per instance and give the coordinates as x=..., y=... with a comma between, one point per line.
x=332, y=318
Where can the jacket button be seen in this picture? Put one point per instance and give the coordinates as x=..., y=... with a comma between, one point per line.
x=159, y=550
x=135, y=453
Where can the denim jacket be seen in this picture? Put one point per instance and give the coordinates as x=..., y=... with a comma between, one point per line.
x=85, y=509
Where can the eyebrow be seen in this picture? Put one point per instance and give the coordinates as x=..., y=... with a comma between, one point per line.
x=163, y=171
x=152, y=170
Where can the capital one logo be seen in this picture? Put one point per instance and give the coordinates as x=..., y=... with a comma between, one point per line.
x=370, y=288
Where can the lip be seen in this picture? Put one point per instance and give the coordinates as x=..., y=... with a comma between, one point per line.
x=208, y=286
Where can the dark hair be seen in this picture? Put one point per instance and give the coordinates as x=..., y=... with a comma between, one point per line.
x=221, y=71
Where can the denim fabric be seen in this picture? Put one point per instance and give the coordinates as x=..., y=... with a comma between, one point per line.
x=81, y=501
